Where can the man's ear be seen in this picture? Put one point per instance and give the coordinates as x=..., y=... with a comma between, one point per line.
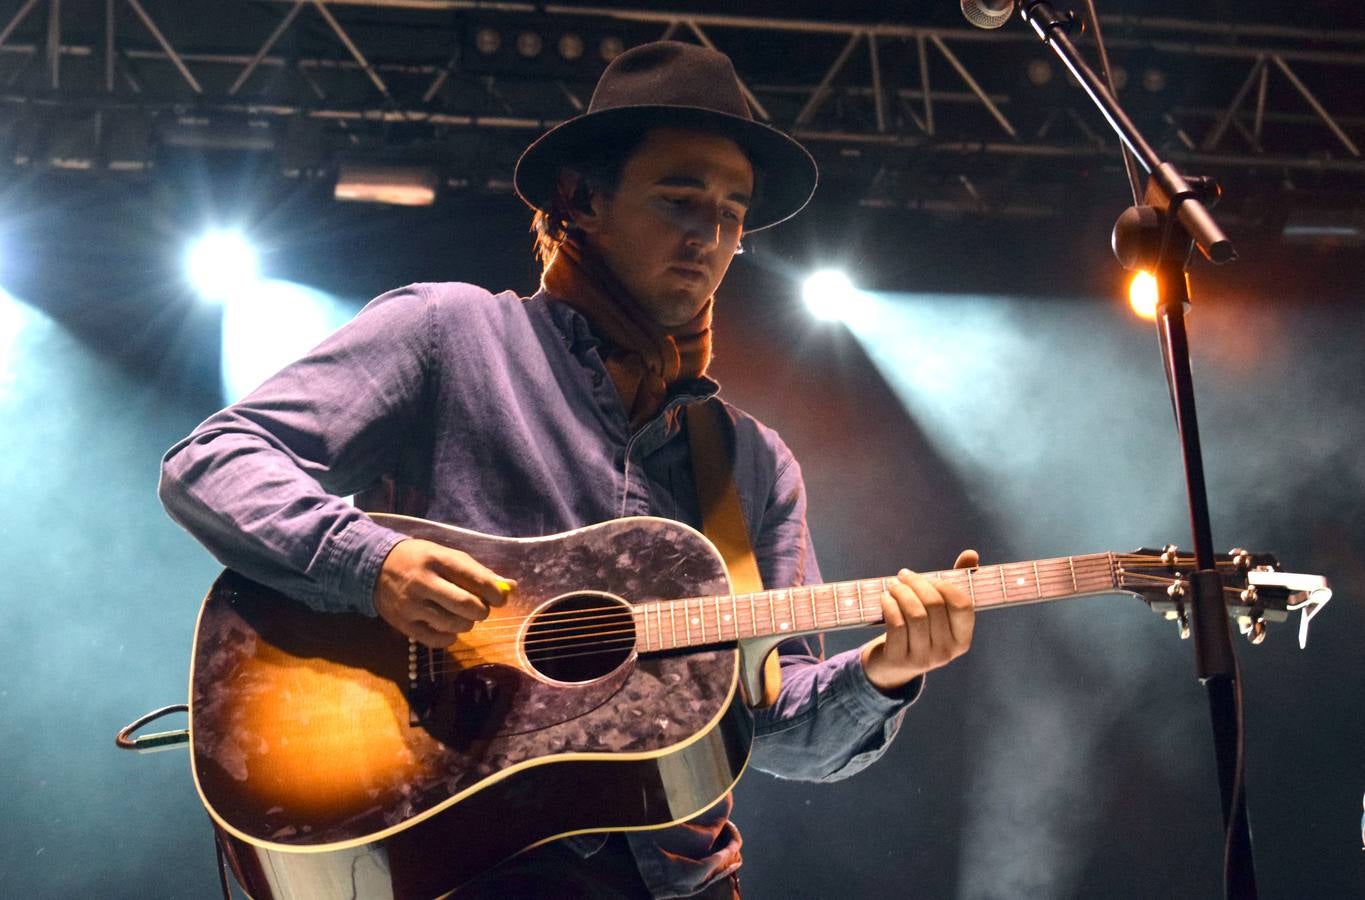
x=578, y=197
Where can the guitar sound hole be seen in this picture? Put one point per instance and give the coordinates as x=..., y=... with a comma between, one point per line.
x=580, y=638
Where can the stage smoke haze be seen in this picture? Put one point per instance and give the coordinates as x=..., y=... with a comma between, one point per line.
x=1056, y=415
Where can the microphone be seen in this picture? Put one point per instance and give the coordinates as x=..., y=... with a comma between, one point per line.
x=988, y=14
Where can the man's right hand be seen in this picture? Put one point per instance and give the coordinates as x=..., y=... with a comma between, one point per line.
x=432, y=593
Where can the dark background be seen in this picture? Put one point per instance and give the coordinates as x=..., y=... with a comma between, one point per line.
x=1006, y=400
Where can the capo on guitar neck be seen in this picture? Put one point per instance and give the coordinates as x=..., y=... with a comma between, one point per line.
x=1308, y=594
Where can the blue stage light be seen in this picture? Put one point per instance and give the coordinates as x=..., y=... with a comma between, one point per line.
x=831, y=296
x=270, y=326
x=222, y=265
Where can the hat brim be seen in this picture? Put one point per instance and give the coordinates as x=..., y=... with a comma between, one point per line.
x=789, y=173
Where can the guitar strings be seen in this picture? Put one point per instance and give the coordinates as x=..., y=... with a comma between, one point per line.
x=617, y=640
x=1086, y=567
x=576, y=631
x=577, y=636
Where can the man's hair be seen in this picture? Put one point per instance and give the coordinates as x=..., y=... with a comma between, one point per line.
x=599, y=170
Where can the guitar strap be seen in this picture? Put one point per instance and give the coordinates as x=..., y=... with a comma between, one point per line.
x=723, y=518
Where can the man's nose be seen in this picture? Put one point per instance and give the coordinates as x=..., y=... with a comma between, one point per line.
x=704, y=227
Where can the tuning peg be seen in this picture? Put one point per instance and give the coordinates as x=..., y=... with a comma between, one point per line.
x=1240, y=558
x=1170, y=556
x=1183, y=617
x=1253, y=627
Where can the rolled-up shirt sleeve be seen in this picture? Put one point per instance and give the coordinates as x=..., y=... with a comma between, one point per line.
x=829, y=721
x=260, y=484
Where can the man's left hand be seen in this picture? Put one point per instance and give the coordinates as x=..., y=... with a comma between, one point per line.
x=928, y=624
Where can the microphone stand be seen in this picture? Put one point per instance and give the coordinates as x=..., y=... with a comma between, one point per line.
x=1159, y=235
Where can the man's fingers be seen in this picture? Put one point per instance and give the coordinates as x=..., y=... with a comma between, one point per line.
x=916, y=616
x=452, y=600
x=967, y=559
x=425, y=634
x=461, y=569
x=897, y=638
x=940, y=632
x=961, y=615
x=442, y=619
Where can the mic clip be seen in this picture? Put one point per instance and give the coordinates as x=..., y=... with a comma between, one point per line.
x=1045, y=19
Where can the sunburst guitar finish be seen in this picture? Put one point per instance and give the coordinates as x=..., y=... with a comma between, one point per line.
x=336, y=759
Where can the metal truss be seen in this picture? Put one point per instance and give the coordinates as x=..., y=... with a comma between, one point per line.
x=929, y=115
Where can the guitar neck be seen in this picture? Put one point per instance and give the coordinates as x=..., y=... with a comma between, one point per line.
x=697, y=621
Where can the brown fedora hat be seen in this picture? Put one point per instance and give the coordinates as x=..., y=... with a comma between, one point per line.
x=682, y=86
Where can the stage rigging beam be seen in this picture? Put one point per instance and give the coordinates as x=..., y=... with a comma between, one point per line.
x=361, y=94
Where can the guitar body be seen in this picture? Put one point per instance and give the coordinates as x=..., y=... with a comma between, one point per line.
x=337, y=759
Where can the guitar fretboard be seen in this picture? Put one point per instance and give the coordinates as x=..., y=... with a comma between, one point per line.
x=696, y=621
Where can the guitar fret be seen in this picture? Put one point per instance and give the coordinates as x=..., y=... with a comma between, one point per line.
x=727, y=625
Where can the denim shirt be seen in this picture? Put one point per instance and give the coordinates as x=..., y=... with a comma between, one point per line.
x=497, y=414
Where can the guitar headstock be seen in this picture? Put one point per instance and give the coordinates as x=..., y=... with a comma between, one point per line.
x=1254, y=588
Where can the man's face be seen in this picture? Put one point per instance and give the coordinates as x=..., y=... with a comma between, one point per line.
x=670, y=229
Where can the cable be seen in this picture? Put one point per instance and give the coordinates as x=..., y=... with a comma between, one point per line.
x=1129, y=164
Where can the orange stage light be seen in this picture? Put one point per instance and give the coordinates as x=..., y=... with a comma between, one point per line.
x=1142, y=294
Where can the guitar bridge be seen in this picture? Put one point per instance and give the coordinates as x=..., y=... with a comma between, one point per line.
x=425, y=667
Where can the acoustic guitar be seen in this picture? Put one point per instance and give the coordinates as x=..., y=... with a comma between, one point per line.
x=338, y=759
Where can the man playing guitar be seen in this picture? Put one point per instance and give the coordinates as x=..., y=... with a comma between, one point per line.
x=527, y=417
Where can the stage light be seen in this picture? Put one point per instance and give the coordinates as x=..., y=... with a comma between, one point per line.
x=529, y=44
x=487, y=40
x=1154, y=80
x=832, y=297
x=379, y=183
x=12, y=320
x=1039, y=72
x=222, y=265
x=610, y=48
x=571, y=47
x=1142, y=294
x=270, y=327
x=825, y=293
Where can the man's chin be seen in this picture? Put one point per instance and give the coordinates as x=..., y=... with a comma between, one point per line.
x=676, y=307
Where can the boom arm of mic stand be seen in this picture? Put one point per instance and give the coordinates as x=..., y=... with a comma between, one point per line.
x=1175, y=193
